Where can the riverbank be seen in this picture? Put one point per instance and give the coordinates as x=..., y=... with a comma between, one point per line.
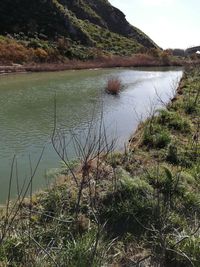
x=138, y=60
x=138, y=207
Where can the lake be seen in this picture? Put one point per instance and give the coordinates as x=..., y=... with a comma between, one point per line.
x=27, y=113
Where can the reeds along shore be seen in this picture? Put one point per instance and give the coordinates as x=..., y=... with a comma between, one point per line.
x=138, y=60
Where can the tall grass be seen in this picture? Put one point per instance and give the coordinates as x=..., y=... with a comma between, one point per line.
x=33, y=65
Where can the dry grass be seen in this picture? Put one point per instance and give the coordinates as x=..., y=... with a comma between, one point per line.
x=113, y=86
x=138, y=60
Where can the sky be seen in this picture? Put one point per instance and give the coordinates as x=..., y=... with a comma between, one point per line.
x=170, y=23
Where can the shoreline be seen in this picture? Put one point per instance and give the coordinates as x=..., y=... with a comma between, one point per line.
x=114, y=62
x=135, y=139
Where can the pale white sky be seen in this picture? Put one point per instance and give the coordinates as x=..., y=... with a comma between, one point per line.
x=170, y=23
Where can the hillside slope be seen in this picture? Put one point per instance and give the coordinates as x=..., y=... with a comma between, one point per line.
x=87, y=23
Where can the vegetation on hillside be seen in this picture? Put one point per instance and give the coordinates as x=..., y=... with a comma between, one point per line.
x=55, y=30
x=138, y=208
x=55, y=18
x=37, y=55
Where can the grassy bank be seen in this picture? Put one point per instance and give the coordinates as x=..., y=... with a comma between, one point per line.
x=138, y=208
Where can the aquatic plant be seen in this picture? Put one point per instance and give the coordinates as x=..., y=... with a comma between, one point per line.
x=114, y=85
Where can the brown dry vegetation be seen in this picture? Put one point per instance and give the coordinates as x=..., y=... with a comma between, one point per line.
x=138, y=60
x=37, y=55
x=12, y=51
x=114, y=86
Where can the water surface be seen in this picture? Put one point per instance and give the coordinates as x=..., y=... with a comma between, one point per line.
x=27, y=112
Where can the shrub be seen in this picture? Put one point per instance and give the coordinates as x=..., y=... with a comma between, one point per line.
x=190, y=107
x=34, y=43
x=162, y=139
x=174, y=121
x=115, y=159
x=113, y=86
x=154, y=52
x=157, y=138
x=81, y=251
x=130, y=204
x=40, y=54
x=12, y=250
x=12, y=51
x=165, y=57
x=180, y=157
x=172, y=154
x=190, y=247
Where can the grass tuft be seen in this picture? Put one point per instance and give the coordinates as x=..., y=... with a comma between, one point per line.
x=114, y=86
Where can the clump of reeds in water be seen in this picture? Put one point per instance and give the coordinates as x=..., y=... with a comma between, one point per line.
x=114, y=86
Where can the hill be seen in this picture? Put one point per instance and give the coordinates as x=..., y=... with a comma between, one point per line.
x=71, y=28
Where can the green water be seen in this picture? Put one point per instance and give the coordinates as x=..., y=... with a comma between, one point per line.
x=27, y=113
